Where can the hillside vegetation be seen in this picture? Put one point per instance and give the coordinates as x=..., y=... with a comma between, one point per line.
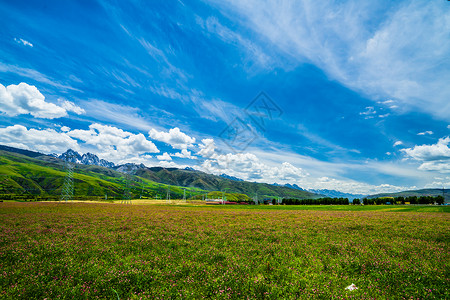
x=28, y=174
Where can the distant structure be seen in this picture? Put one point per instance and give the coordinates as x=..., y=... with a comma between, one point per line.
x=67, y=189
x=256, y=199
x=168, y=195
x=127, y=195
x=127, y=190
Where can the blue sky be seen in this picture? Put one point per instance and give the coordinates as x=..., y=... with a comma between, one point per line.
x=348, y=95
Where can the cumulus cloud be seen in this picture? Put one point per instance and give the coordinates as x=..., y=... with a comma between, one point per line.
x=439, y=182
x=398, y=143
x=165, y=156
x=247, y=166
x=207, y=148
x=70, y=106
x=26, y=99
x=184, y=154
x=114, y=143
x=173, y=137
x=434, y=157
x=46, y=141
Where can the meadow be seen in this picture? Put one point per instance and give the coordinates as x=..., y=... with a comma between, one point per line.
x=113, y=251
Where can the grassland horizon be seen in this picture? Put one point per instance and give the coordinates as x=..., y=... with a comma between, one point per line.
x=95, y=250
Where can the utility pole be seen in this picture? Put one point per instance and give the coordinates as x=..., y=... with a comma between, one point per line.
x=127, y=190
x=67, y=189
x=168, y=195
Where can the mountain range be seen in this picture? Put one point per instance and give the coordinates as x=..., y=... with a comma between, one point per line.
x=84, y=159
x=33, y=172
x=25, y=171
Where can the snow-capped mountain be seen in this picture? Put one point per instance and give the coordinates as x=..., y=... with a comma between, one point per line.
x=85, y=159
x=71, y=156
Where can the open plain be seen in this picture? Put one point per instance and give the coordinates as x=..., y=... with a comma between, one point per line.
x=94, y=250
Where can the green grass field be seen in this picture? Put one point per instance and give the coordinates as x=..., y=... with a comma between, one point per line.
x=110, y=251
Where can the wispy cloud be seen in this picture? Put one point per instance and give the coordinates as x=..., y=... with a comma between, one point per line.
x=117, y=114
x=254, y=53
x=35, y=75
x=428, y=132
x=23, y=42
x=401, y=55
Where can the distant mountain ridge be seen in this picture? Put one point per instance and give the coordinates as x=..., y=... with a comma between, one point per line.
x=90, y=165
x=337, y=194
x=230, y=177
x=21, y=151
x=417, y=193
x=85, y=159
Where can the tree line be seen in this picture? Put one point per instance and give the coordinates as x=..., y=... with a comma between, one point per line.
x=319, y=201
x=405, y=200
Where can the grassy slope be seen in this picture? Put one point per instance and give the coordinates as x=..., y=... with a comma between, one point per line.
x=210, y=182
x=45, y=175
x=418, y=193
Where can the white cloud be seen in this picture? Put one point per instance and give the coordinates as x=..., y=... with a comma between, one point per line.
x=184, y=154
x=386, y=102
x=434, y=157
x=26, y=99
x=369, y=111
x=437, y=151
x=65, y=128
x=23, y=42
x=174, y=137
x=439, y=182
x=247, y=166
x=207, y=148
x=116, y=113
x=165, y=156
x=113, y=143
x=383, y=50
x=425, y=132
x=46, y=141
x=398, y=143
x=70, y=106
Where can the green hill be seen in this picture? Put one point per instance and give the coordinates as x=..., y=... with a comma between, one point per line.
x=192, y=178
x=417, y=193
x=43, y=178
x=32, y=174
